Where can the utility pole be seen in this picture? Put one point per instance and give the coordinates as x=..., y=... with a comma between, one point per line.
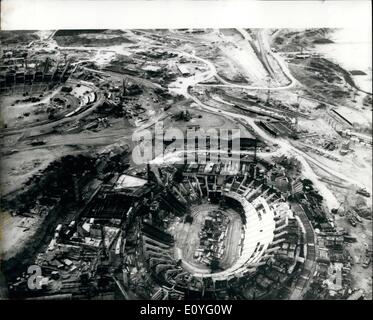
x=269, y=91
x=46, y=65
x=296, y=124
x=123, y=87
x=255, y=149
x=298, y=98
x=354, y=94
x=103, y=242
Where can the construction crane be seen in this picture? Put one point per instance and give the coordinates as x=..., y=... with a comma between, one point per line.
x=301, y=49
x=343, y=207
x=47, y=64
x=103, y=246
x=55, y=70
x=67, y=64
x=255, y=150
x=295, y=124
x=299, y=97
x=354, y=94
x=121, y=288
x=268, y=91
x=124, y=87
x=155, y=172
x=25, y=62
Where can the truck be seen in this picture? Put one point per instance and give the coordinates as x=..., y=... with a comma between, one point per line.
x=9, y=152
x=352, y=221
x=37, y=142
x=363, y=192
x=357, y=217
x=366, y=262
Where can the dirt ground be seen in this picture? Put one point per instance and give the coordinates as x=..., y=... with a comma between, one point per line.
x=18, y=167
x=12, y=114
x=15, y=232
x=361, y=277
x=355, y=166
x=358, y=117
x=318, y=126
x=206, y=121
x=187, y=238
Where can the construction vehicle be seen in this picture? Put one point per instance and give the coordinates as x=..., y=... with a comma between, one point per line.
x=363, y=192
x=343, y=207
x=366, y=262
x=37, y=142
x=356, y=295
x=10, y=152
x=352, y=221
x=358, y=218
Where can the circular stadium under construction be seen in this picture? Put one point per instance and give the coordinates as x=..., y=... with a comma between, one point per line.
x=222, y=231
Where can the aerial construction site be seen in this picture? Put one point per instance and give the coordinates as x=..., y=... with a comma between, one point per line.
x=185, y=164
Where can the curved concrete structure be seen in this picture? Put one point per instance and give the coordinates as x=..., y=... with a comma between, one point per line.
x=258, y=235
x=264, y=230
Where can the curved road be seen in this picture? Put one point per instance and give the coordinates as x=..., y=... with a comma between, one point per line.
x=182, y=85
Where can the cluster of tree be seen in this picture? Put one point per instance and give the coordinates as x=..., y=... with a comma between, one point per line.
x=290, y=164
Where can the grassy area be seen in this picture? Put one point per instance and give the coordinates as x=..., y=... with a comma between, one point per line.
x=90, y=38
x=17, y=37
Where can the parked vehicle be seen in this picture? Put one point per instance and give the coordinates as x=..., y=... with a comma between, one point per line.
x=363, y=192
x=366, y=262
x=352, y=221
x=37, y=142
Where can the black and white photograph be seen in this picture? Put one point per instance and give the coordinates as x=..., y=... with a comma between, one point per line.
x=185, y=163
